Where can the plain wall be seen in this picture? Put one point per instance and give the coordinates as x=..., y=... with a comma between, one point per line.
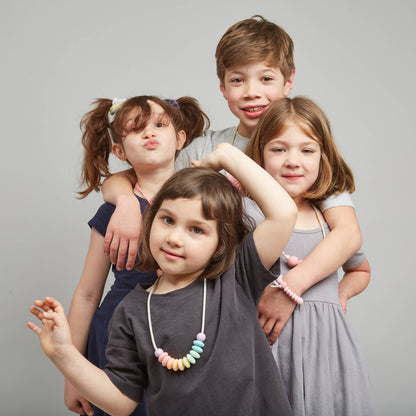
x=355, y=59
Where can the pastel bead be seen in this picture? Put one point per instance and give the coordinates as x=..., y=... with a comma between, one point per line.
x=175, y=366
x=162, y=356
x=199, y=343
x=166, y=360
x=201, y=337
x=186, y=363
x=194, y=354
x=197, y=349
x=170, y=363
x=158, y=352
x=292, y=261
x=181, y=365
x=190, y=358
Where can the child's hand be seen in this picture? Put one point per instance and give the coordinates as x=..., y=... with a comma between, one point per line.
x=75, y=402
x=55, y=334
x=211, y=160
x=343, y=299
x=122, y=235
x=274, y=310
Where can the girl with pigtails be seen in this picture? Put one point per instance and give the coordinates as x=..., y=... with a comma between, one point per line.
x=147, y=132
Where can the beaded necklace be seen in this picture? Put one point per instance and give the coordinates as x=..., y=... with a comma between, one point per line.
x=293, y=261
x=185, y=362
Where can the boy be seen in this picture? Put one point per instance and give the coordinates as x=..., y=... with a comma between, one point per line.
x=255, y=67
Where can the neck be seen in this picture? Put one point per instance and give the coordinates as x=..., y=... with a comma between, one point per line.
x=244, y=131
x=151, y=180
x=306, y=219
x=168, y=283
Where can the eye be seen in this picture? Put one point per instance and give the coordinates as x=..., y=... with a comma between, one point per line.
x=308, y=151
x=236, y=80
x=160, y=124
x=267, y=78
x=167, y=220
x=197, y=230
x=277, y=150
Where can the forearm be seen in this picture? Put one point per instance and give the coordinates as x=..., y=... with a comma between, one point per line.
x=118, y=185
x=355, y=281
x=92, y=382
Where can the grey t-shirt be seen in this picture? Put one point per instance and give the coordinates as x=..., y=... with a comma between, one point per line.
x=236, y=374
x=203, y=145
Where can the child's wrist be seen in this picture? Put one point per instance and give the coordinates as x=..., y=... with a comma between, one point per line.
x=126, y=199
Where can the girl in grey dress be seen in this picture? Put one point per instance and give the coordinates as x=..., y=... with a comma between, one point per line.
x=316, y=351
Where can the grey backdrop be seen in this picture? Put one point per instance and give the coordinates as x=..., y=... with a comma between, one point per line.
x=356, y=59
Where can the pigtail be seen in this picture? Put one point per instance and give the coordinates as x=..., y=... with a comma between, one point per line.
x=96, y=140
x=195, y=122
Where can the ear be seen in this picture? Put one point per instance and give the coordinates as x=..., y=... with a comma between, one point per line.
x=289, y=84
x=223, y=90
x=118, y=151
x=180, y=139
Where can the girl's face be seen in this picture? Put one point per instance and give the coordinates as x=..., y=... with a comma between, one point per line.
x=155, y=145
x=293, y=159
x=182, y=240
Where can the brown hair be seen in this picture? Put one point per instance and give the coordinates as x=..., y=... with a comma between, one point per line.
x=334, y=174
x=99, y=133
x=220, y=201
x=255, y=40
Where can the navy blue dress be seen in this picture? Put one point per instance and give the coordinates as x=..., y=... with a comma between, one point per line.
x=125, y=281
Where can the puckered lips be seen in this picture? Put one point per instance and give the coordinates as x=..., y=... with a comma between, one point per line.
x=151, y=144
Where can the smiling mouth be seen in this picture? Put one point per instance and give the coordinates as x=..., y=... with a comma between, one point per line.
x=292, y=177
x=171, y=255
x=254, y=112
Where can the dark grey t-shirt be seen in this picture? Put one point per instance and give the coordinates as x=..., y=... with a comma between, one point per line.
x=236, y=374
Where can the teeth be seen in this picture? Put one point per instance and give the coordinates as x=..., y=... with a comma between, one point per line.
x=253, y=109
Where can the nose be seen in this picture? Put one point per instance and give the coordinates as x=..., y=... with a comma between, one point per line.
x=148, y=132
x=174, y=237
x=251, y=89
x=292, y=159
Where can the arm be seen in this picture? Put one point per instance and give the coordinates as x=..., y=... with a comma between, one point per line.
x=84, y=303
x=280, y=211
x=92, y=382
x=123, y=231
x=330, y=254
x=355, y=280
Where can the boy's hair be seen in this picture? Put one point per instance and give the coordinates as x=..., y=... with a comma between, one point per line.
x=334, y=174
x=99, y=132
x=220, y=201
x=255, y=40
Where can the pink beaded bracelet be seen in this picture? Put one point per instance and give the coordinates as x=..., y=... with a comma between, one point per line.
x=281, y=284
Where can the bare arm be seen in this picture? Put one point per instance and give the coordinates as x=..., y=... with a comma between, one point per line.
x=331, y=253
x=279, y=209
x=90, y=381
x=355, y=280
x=85, y=301
x=123, y=230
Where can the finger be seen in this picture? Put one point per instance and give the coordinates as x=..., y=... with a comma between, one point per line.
x=87, y=407
x=262, y=320
x=277, y=329
x=121, y=255
x=54, y=304
x=268, y=327
x=132, y=254
x=33, y=327
x=114, y=249
x=107, y=241
x=196, y=163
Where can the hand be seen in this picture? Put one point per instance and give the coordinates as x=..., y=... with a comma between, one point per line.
x=75, y=402
x=55, y=334
x=211, y=160
x=274, y=310
x=123, y=232
x=343, y=299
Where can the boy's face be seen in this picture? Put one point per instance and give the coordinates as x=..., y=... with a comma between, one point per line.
x=250, y=88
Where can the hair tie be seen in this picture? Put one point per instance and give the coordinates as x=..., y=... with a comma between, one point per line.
x=116, y=105
x=172, y=102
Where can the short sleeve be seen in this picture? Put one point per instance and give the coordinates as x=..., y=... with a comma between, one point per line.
x=342, y=199
x=124, y=367
x=102, y=218
x=355, y=260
